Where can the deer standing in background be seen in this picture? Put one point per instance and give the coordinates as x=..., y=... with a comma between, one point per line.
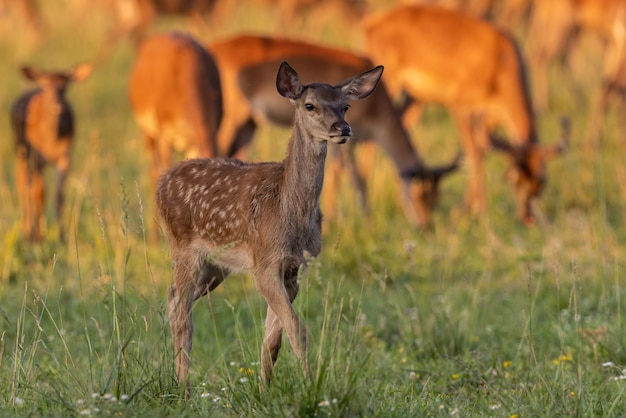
x=247, y=67
x=477, y=72
x=176, y=98
x=136, y=17
x=43, y=125
x=223, y=216
x=556, y=23
x=27, y=11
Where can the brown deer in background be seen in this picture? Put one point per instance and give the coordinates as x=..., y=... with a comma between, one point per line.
x=247, y=67
x=554, y=26
x=223, y=216
x=43, y=124
x=136, y=17
x=477, y=72
x=176, y=98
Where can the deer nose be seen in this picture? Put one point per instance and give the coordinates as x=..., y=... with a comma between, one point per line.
x=340, y=129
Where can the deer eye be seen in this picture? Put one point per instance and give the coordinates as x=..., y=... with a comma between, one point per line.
x=345, y=109
x=309, y=107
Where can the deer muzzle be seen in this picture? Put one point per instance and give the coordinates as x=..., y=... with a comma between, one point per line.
x=340, y=132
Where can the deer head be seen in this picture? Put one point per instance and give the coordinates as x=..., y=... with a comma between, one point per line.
x=527, y=171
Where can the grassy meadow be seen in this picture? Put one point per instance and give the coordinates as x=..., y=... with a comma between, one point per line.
x=474, y=317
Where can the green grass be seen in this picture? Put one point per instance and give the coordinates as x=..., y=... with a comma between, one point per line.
x=475, y=317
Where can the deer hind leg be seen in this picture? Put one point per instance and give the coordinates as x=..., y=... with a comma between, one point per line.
x=192, y=280
x=474, y=145
x=160, y=156
x=598, y=116
x=280, y=314
x=271, y=345
x=31, y=193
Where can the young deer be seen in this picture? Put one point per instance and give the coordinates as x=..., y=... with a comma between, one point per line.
x=224, y=215
x=43, y=124
x=247, y=65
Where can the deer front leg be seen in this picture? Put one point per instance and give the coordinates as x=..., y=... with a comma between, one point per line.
x=30, y=180
x=59, y=198
x=279, y=296
x=23, y=187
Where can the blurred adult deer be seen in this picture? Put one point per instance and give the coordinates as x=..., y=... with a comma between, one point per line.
x=223, y=216
x=176, y=98
x=136, y=17
x=556, y=23
x=247, y=64
x=26, y=11
x=43, y=125
x=441, y=56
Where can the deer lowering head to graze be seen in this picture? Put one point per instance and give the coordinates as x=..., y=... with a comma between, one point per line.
x=224, y=215
x=476, y=71
x=43, y=124
x=176, y=98
x=247, y=64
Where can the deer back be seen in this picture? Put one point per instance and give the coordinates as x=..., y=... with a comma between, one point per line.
x=175, y=94
x=443, y=56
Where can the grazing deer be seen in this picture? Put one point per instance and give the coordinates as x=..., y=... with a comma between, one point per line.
x=441, y=56
x=43, y=125
x=223, y=216
x=556, y=23
x=176, y=98
x=247, y=64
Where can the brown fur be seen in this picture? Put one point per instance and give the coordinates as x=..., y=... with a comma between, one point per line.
x=247, y=64
x=224, y=216
x=175, y=94
x=43, y=124
x=555, y=25
x=441, y=56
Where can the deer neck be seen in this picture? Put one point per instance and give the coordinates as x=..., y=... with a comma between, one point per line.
x=303, y=175
x=392, y=137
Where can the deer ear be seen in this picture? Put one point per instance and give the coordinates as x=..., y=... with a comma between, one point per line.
x=288, y=83
x=361, y=86
x=81, y=72
x=29, y=72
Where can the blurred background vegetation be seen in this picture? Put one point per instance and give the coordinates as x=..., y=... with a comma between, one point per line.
x=475, y=317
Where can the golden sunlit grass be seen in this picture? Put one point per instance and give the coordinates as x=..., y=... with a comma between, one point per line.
x=475, y=317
